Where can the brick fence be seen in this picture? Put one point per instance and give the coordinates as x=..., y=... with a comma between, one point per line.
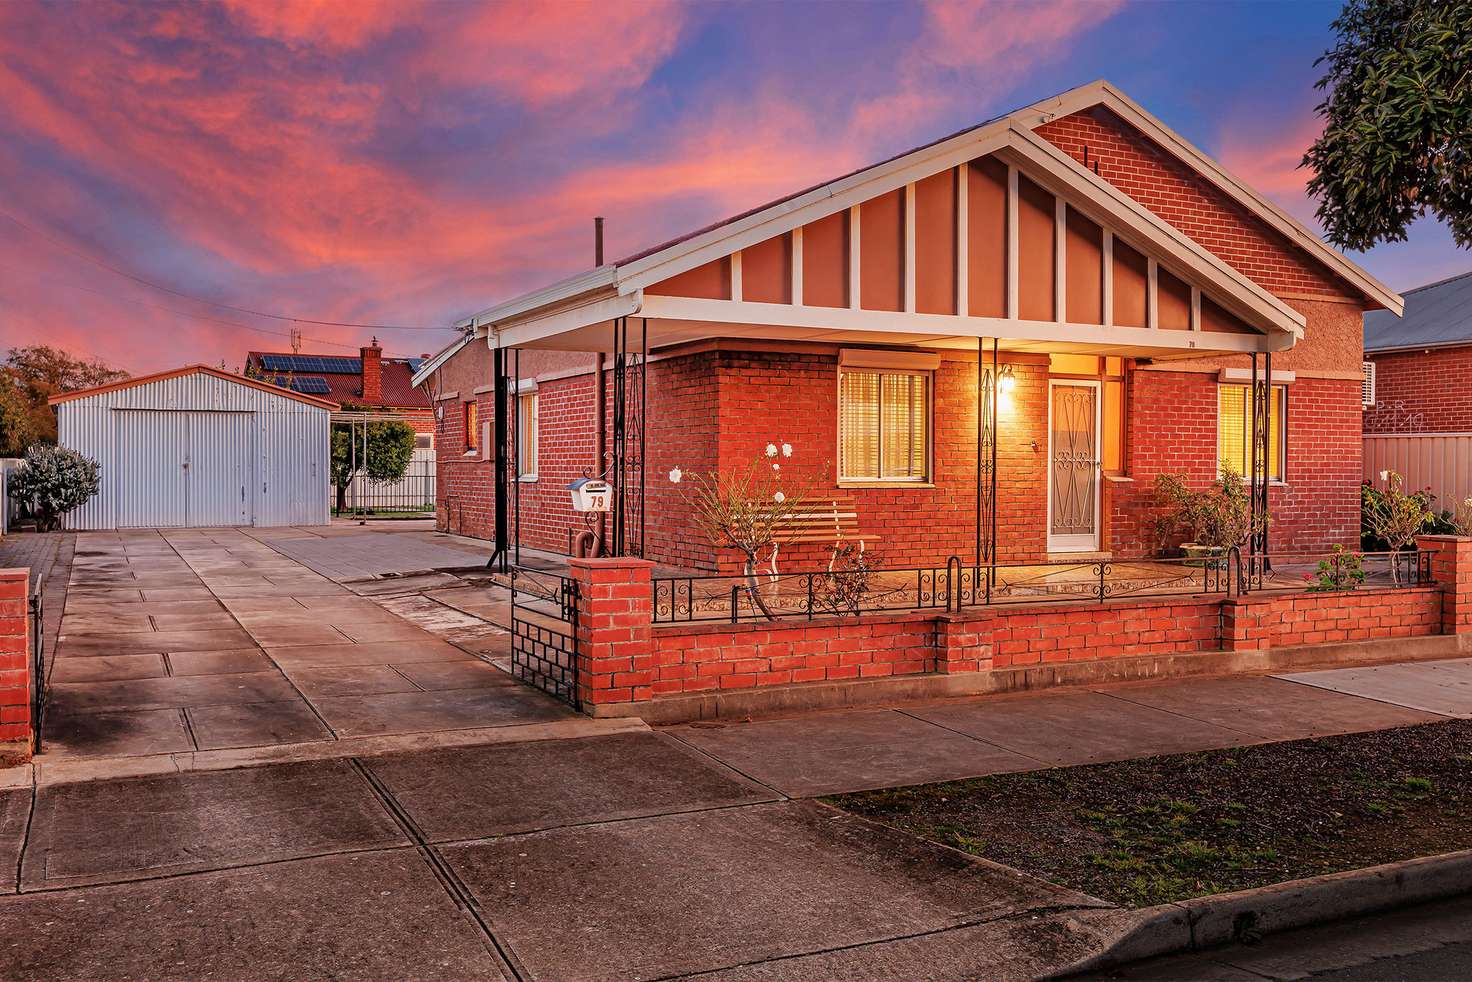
x=625, y=658
x=15, y=667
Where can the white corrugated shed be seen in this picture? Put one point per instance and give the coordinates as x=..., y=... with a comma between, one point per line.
x=199, y=448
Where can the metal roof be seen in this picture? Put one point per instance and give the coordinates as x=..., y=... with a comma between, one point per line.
x=1437, y=315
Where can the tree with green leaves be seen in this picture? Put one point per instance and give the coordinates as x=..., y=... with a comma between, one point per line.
x=384, y=459
x=52, y=482
x=32, y=375
x=1397, y=113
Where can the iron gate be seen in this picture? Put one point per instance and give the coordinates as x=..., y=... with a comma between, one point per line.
x=544, y=632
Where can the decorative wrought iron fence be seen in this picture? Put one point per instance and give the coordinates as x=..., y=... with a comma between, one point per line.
x=808, y=594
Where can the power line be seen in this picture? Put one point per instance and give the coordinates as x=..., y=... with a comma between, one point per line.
x=183, y=313
x=189, y=296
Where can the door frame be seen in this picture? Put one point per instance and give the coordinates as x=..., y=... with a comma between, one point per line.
x=1077, y=543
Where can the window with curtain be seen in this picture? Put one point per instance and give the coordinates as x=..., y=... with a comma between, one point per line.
x=472, y=428
x=526, y=422
x=884, y=425
x=1234, y=429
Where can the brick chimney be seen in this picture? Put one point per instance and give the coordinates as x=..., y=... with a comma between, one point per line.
x=372, y=372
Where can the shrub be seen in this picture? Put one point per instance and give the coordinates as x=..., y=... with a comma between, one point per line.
x=1392, y=518
x=1218, y=517
x=52, y=482
x=1343, y=570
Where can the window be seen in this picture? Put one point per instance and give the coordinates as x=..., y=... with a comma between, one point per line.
x=1234, y=428
x=423, y=441
x=526, y=436
x=472, y=429
x=884, y=425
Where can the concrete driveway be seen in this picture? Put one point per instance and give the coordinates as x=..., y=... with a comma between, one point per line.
x=196, y=640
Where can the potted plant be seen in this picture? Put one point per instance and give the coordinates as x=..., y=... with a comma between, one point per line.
x=1211, y=520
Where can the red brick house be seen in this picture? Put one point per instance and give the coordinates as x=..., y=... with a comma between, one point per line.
x=1109, y=282
x=1419, y=367
x=385, y=386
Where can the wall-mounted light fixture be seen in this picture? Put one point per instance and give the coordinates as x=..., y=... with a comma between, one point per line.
x=1006, y=382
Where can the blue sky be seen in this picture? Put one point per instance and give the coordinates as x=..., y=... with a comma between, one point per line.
x=403, y=164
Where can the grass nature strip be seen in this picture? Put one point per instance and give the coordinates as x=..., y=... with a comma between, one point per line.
x=1168, y=828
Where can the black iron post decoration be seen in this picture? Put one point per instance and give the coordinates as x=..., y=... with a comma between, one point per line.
x=986, y=459
x=630, y=393
x=502, y=446
x=1262, y=443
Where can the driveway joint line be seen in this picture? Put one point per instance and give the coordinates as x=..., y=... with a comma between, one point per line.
x=732, y=767
x=460, y=895
x=986, y=743
x=1356, y=695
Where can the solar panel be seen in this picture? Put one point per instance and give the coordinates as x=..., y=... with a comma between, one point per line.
x=319, y=364
x=300, y=383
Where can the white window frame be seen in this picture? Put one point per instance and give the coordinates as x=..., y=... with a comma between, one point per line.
x=523, y=445
x=1282, y=477
x=873, y=366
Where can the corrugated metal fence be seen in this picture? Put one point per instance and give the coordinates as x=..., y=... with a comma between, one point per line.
x=1439, y=461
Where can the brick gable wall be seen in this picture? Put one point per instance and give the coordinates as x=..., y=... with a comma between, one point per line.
x=1188, y=201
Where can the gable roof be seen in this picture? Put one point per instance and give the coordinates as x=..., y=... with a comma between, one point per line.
x=429, y=366
x=1437, y=315
x=129, y=383
x=590, y=290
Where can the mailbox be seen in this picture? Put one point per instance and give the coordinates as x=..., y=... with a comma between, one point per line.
x=589, y=494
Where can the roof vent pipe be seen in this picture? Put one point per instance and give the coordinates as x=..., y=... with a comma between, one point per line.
x=598, y=241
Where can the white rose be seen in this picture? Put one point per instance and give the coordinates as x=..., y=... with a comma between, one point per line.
x=779, y=497
x=787, y=450
x=1385, y=475
x=771, y=450
x=676, y=475
x=776, y=467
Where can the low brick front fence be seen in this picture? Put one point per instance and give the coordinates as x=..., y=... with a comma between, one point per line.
x=624, y=657
x=15, y=666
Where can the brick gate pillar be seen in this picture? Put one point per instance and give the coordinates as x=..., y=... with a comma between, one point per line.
x=16, y=738
x=1451, y=567
x=615, y=625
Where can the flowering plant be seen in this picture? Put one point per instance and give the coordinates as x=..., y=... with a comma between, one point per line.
x=1394, y=516
x=1343, y=570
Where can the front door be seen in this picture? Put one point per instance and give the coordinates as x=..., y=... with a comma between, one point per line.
x=1073, y=466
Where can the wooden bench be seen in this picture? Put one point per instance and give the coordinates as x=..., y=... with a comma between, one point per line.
x=823, y=519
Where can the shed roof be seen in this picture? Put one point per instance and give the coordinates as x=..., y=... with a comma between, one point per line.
x=1437, y=315
x=138, y=380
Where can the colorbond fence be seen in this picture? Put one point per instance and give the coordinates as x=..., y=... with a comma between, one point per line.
x=1439, y=461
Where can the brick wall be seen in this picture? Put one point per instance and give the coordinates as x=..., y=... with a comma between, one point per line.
x=1284, y=621
x=1422, y=392
x=624, y=657
x=1173, y=429
x=15, y=666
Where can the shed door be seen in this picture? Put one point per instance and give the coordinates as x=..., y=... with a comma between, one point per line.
x=221, y=451
x=148, y=483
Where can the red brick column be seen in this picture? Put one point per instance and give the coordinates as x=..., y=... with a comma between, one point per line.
x=1451, y=567
x=963, y=643
x=615, y=621
x=15, y=667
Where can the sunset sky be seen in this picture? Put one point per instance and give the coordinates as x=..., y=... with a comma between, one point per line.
x=404, y=164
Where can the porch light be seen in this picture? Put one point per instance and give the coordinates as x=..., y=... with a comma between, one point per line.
x=1006, y=382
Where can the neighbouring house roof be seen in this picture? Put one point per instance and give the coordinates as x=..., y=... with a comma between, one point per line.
x=340, y=377
x=138, y=380
x=1437, y=315
x=611, y=290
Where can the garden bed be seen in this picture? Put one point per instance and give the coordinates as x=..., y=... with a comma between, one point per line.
x=1167, y=828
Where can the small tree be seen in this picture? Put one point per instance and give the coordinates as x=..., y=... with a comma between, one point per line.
x=52, y=482
x=745, y=507
x=385, y=459
x=1397, y=122
x=1395, y=516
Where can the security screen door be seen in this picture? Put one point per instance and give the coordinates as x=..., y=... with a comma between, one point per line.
x=1073, y=466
